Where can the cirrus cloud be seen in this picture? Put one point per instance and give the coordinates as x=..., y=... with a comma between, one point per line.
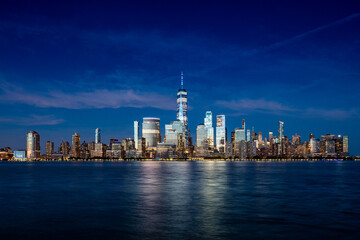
x=95, y=99
x=33, y=120
x=276, y=108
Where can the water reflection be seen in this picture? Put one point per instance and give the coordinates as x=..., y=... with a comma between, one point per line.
x=180, y=200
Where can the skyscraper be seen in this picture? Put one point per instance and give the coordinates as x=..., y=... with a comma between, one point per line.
x=151, y=131
x=97, y=136
x=175, y=133
x=220, y=133
x=64, y=148
x=248, y=135
x=296, y=139
x=239, y=135
x=49, y=148
x=76, y=145
x=281, y=130
x=32, y=145
x=209, y=128
x=271, y=135
x=346, y=145
x=201, y=135
x=136, y=134
x=201, y=140
x=182, y=106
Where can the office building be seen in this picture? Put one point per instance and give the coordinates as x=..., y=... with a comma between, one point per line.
x=182, y=106
x=19, y=155
x=239, y=135
x=151, y=131
x=220, y=133
x=208, y=122
x=201, y=145
x=175, y=133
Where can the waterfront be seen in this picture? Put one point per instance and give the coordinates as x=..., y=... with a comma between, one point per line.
x=180, y=200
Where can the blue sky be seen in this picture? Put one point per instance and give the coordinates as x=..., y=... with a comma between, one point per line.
x=68, y=68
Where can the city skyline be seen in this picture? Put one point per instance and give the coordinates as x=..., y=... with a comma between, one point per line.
x=178, y=142
x=297, y=63
x=202, y=144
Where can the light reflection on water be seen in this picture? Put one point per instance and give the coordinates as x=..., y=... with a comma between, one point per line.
x=180, y=200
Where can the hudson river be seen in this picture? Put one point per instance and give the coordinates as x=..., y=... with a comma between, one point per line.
x=179, y=200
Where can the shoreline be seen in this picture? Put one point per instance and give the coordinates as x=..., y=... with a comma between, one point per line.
x=187, y=160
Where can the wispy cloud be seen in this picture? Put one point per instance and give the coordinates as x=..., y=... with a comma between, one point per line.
x=246, y=106
x=302, y=35
x=257, y=105
x=335, y=114
x=33, y=120
x=98, y=98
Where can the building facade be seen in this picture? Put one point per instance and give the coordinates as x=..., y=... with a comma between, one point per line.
x=97, y=135
x=220, y=133
x=76, y=145
x=32, y=145
x=49, y=148
x=208, y=122
x=151, y=131
x=136, y=134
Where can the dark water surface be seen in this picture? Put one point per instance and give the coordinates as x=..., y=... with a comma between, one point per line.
x=180, y=200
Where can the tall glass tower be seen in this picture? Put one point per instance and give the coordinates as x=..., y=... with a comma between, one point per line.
x=32, y=145
x=281, y=131
x=209, y=128
x=136, y=134
x=182, y=106
x=151, y=131
x=220, y=133
x=97, y=136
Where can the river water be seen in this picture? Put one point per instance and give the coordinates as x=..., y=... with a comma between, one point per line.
x=180, y=200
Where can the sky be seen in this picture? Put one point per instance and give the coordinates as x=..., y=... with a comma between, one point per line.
x=69, y=67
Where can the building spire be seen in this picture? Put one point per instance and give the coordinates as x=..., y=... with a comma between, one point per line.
x=182, y=79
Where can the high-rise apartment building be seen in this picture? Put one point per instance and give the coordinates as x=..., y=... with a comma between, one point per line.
x=296, y=139
x=49, y=148
x=32, y=145
x=271, y=135
x=220, y=133
x=136, y=134
x=281, y=131
x=64, y=148
x=97, y=136
x=243, y=124
x=76, y=145
x=151, y=131
x=314, y=145
x=346, y=145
